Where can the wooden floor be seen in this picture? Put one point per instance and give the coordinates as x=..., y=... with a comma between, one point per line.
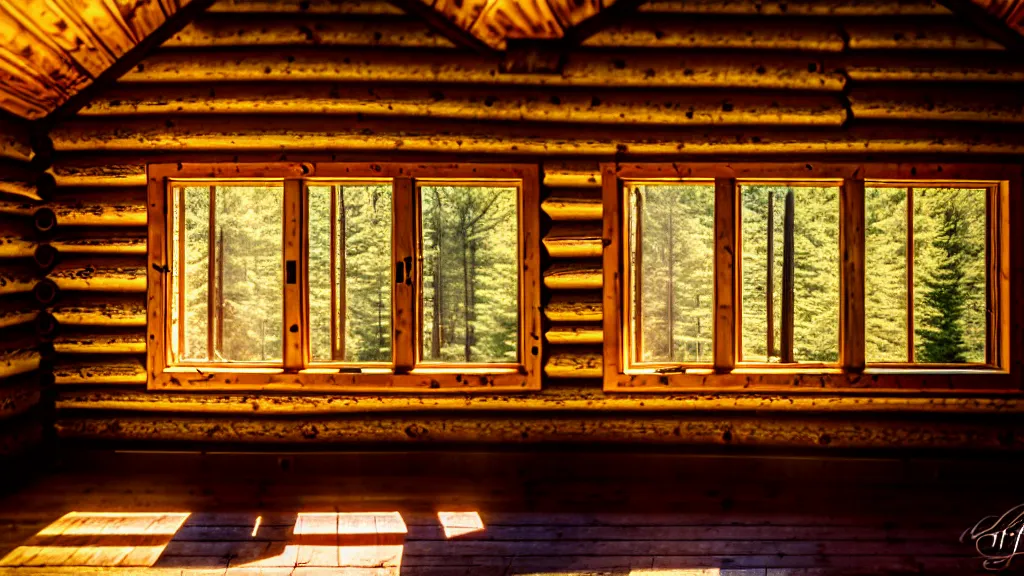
x=501, y=513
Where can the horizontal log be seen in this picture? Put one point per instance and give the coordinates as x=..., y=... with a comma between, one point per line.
x=100, y=370
x=505, y=103
x=580, y=307
x=16, y=362
x=304, y=7
x=18, y=207
x=129, y=241
x=100, y=275
x=579, y=399
x=667, y=31
x=236, y=30
x=959, y=105
x=696, y=69
x=587, y=334
x=19, y=189
x=107, y=174
x=16, y=311
x=799, y=7
x=572, y=174
x=992, y=68
x=923, y=35
x=582, y=363
x=574, y=276
x=750, y=431
x=243, y=133
x=18, y=395
x=124, y=310
x=16, y=246
x=570, y=204
x=92, y=207
x=119, y=342
x=574, y=241
x=17, y=280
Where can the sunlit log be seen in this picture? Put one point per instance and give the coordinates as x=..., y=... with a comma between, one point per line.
x=14, y=362
x=564, y=397
x=100, y=275
x=87, y=310
x=17, y=279
x=697, y=69
x=121, y=242
x=100, y=370
x=924, y=35
x=574, y=276
x=499, y=103
x=574, y=364
x=727, y=33
x=569, y=174
x=15, y=311
x=361, y=7
x=959, y=105
x=15, y=140
x=561, y=334
x=119, y=207
x=120, y=342
x=573, y=204
x=579, y=307
x=574, y=241
x=20, y=189
x=244, y=133
x=308, y=31
x=799, y=7
x=993, y=68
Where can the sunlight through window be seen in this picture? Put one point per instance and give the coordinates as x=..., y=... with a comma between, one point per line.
x=460, y=523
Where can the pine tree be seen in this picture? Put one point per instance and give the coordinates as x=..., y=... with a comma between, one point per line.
x=941, y=334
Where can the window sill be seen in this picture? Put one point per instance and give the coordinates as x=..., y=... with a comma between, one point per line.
x=788, y=379
x=374, y=380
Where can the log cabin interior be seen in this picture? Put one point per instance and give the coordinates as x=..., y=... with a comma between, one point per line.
x=431, y=287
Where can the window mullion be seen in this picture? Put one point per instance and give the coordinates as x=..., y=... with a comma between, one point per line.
x=211, y=279
x=405, y=320
x=294, y=336
x=726, y=279
x=910, y=275
x=851, y=238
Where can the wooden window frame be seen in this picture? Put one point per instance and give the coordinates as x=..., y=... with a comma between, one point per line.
x=1004, y=374
x=406, y=373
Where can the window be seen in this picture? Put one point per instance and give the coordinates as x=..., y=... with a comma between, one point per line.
x=837, y=276
x=335, y=276
x=927, y=298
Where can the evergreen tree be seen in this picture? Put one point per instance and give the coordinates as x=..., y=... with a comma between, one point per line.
x=940, y=334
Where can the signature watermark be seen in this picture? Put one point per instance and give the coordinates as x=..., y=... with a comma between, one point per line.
x=997, y=538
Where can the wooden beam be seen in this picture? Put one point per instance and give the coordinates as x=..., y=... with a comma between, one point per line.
x=975, y=13
x=126, y=369
x=785, y=8
x=119, y=342
x=927, y=34
x=574, y=241
x=615, y=338
x=404, y=295
x=579, y=307
x=94, y=310
x=501, y=103
x=852, y=272
x=726, y=278
x=103, y=275
x=956, y=103
x=574, y=364
x=573, y=276
x=660, y=31
x=571, y=205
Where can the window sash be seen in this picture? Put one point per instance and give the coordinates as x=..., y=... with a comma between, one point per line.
x=623, y=373
x=297, y=371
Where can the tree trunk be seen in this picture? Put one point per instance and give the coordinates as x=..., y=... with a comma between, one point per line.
x=435, y=335
x=788, y=278
x=671, y=287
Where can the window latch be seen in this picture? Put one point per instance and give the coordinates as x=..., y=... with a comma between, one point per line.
x=290, y=272
x=399, y=272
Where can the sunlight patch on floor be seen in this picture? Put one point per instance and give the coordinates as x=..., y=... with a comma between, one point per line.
x=460, y=523
x=99, y=539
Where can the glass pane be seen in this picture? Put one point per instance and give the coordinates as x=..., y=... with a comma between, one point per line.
x=470, y=274
x=814, y=245
x=885, y=274
x=949, y=275
x=672, y=246
x=247, y=303
x=361, y=265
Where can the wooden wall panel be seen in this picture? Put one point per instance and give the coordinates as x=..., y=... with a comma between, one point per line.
x=760, y=87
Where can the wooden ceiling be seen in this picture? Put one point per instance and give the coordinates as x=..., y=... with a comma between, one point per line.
x=494, y=21
x=52, y=49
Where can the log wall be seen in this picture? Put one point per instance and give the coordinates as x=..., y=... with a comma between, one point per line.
x=25, y=358
x=359, y=80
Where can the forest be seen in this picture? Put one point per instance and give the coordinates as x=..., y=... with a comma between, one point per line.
x=671, y=249
x=470, y=276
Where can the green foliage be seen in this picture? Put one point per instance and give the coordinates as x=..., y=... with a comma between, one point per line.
x=885, y=281
x=816, y=278
x=677, y=244
x=470, y=278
